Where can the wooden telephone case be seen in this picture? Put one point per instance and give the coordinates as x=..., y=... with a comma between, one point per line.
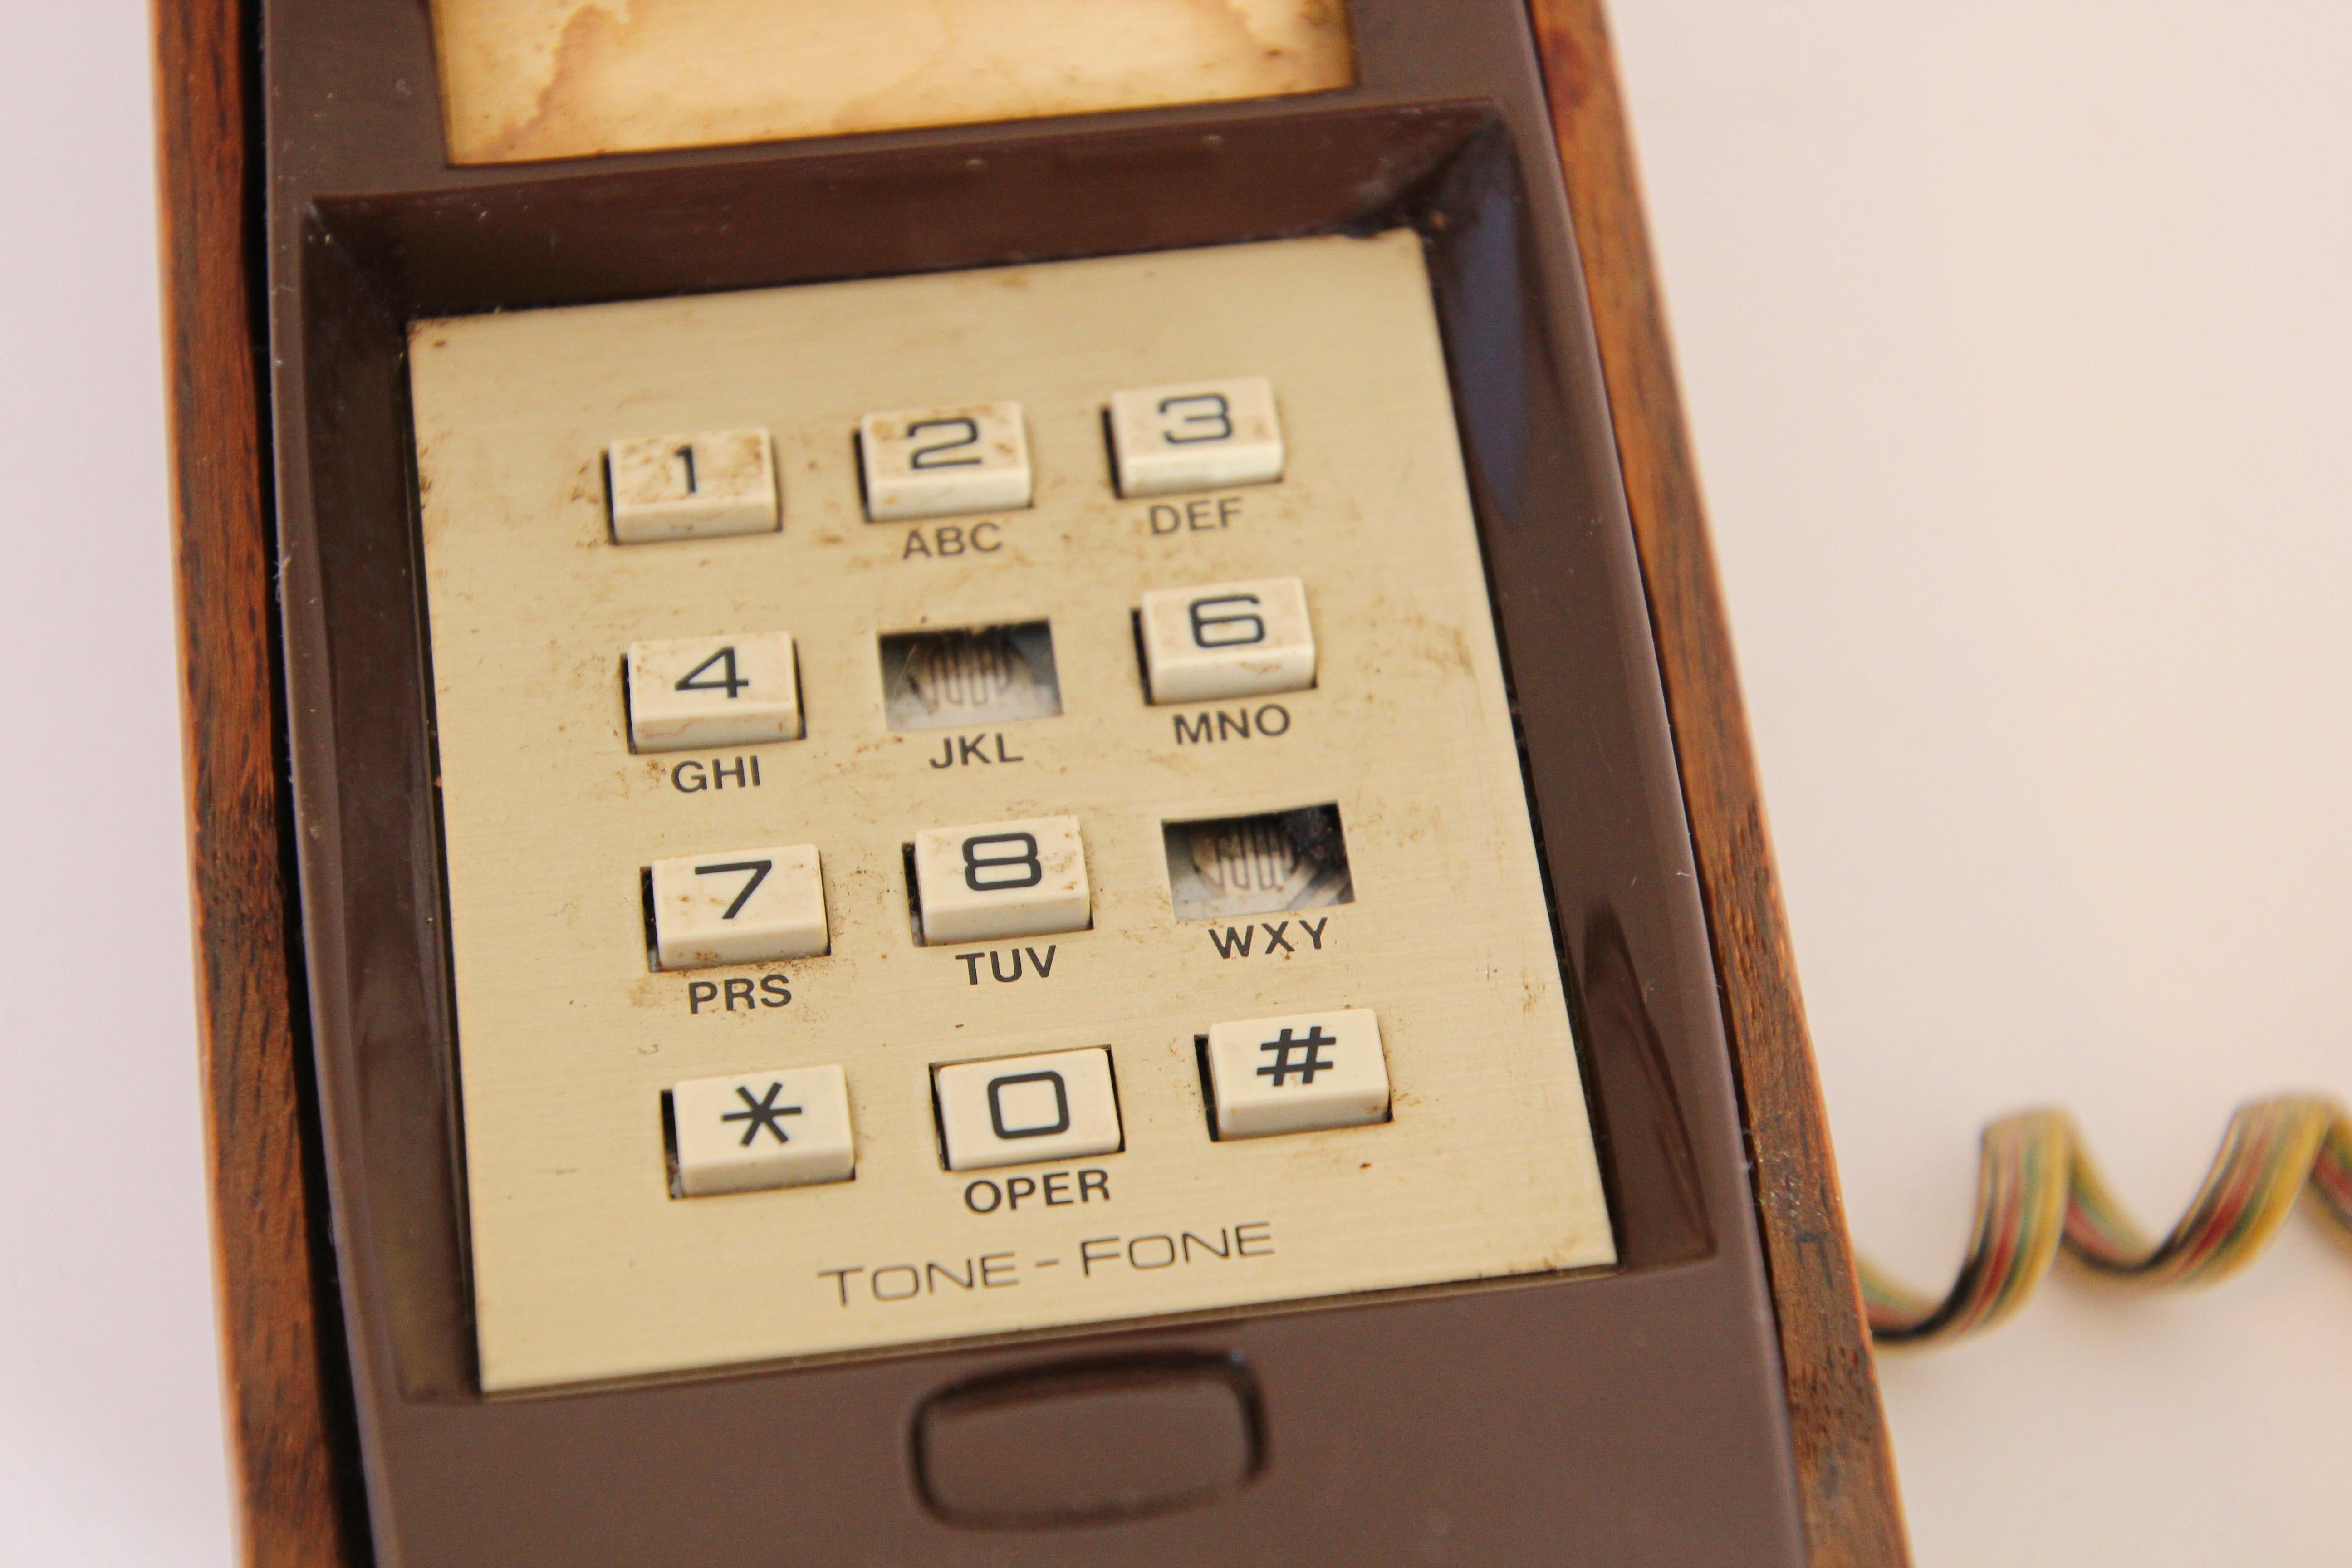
x=1708, y=1398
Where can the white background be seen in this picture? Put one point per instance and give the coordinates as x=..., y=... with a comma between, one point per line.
x=2015, y=337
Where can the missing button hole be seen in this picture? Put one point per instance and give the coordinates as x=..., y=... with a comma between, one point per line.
x=1234, y=865
x=973, y=674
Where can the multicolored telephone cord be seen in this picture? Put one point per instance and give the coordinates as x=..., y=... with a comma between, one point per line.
x=2038, y=1193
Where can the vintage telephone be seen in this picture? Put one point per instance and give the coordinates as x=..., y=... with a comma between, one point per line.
x=1001, y=822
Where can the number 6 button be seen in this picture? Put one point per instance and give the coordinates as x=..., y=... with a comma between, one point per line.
x=1001, y=878
x=713, y=692
x=1227, y=639
x=1200, y=436
x=939, y=462
x=744, y=906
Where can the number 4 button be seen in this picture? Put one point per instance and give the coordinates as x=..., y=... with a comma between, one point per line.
x=1227, y=639
x=742, y=906
x=1001, y=878
x=713, y=692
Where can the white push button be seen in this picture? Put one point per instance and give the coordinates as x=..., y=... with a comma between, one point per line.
x=784, y=1129
x=1020, y=1108
x=740, y=906
x=1203, y=435
x=1227, y=639
x=939, y=462
x=692, y=487
x=1299, y=1073
x=1001, y=878
x=713, y=692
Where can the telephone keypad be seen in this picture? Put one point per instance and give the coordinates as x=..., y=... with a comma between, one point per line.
x=1074, y=784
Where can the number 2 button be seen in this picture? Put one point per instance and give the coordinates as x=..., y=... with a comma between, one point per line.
x=1001, y=878
x=744, y=906
x=1202, y=435
x=941, y=462
x=713, y=692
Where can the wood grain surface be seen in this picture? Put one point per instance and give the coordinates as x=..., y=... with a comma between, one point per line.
x=1845, y=1463
x=564, y=79
x=266, y=1227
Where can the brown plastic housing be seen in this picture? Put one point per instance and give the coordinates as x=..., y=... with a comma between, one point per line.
x=1637, y=1416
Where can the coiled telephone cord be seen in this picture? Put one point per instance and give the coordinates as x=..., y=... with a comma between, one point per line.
x=2038, y=1192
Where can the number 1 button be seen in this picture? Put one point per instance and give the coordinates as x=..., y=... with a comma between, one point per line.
x=692, y=486
x=1202, y=435
x=1227, y=639
x=1001, y=878
x=939, y=462
x=713, y=692
x=745, y=906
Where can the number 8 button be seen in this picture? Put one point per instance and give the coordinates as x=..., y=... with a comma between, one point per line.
x=1001, y=878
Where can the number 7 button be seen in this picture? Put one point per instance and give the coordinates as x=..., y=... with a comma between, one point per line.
x=740, y=906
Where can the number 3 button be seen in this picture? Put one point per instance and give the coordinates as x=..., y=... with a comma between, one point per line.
x=1227, y=639
x=713, y=692
x=742, y=906
x=1202, y=435
x=1001, y=878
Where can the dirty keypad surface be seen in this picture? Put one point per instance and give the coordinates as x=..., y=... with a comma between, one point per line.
x=1172, y=740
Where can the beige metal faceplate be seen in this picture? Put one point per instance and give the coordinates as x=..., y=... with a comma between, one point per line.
x=585, y=1267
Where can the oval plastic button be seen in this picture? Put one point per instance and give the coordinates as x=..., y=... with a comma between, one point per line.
x=1073, y=1445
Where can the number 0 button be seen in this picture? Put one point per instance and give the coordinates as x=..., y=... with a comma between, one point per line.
x=939, y=462
x=745, y=906
x=1001, y=878
x=1202, y=435
x=1020, y=1108
x=713, y=692
x=1227, y=639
